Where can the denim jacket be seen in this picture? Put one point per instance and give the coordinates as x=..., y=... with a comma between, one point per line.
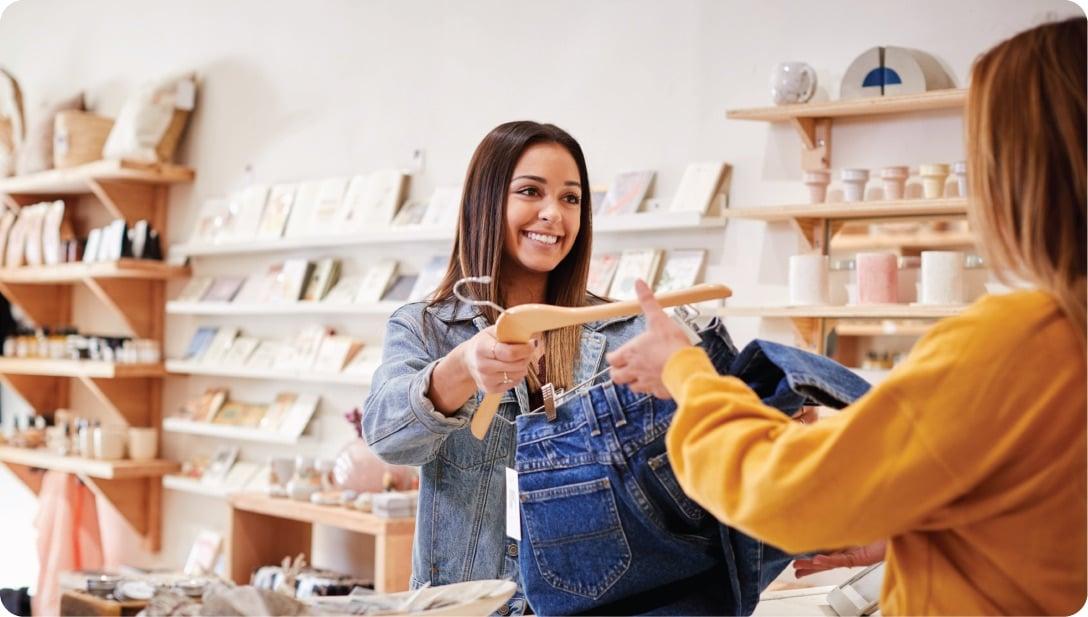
x=460, y=528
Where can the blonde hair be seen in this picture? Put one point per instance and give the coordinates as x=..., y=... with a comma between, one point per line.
x=1026, y=160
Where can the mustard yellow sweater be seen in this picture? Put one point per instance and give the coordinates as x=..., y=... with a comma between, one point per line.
x=970, y=459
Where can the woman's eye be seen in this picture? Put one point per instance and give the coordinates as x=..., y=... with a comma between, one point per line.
x=529, y=191
x=573, y=199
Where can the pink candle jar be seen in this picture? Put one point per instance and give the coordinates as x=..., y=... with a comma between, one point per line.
x=878, y=278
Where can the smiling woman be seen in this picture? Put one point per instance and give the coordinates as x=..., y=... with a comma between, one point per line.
x=525, y=222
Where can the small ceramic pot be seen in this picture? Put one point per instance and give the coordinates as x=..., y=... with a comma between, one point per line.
x=894, y=178
x=959, y=171
x=808, y=280
x=942, y=277
x=878, y=278
x=143, y=443
x=817, y=182
x=933, y=179
x=854, y=183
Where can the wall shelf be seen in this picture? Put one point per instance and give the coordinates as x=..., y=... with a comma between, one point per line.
x=208, y=429
x=390, y=235
x=882, y=105
x=78, y=368
x=78, y=180
x=193, y=486
x=867, y=311
x=811, y=220
x=882, y=328
x=184, y=367
x=656, y=221
x=383, y=309
x=141, y=269
x=263, y=529
x=907, y=242
x=41, y=458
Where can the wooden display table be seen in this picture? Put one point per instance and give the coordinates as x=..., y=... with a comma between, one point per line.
x=263, y=530
x=74, y=602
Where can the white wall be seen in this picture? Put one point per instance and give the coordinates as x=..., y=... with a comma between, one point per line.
x=304, y=90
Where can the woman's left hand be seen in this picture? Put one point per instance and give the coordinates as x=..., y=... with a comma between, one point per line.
x=640, y=361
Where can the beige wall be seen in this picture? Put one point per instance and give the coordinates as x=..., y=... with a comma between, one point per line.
x=303, y=90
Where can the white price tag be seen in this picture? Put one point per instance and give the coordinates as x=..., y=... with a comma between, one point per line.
x=513, y=505
x=185, y=96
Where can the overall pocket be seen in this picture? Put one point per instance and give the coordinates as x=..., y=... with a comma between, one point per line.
x=576, y=536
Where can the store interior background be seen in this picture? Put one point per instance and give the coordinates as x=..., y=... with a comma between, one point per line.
x=307, y=90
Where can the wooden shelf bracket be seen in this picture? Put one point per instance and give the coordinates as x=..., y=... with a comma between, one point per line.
x=138, y=500
x=134, y=300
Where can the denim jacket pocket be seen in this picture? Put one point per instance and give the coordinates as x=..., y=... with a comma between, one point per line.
x=578, y=541
x=667, y=479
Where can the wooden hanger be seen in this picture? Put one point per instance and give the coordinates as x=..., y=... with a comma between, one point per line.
x=520, y=323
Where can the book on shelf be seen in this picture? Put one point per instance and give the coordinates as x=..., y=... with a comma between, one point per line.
x=443, y=207
x=276, y=211
x=203, y=553
x=220, y=465
x=240, y=475
x=363, y=362
x=113, y=242
x=213, y=222
x=298, y=415
x=596, y=197
x=266, y=355
x=302, y=352
x=328, y=205
x=35, y=216
x=324, y=275
x=273, y=418
x=344, y=291
x=700, y=187
x=199, y=343
x=334, y=353
x=429, y=278
x=302, y=211
x=7, y=221
x=247, y=208
x=237, y=413
x=626, y=193
x=372, y=200
x=219, y=346
x=376, y=281
x=90, y=250
x=401, y=288
x=204, y=407
x=223, y=289
x=52, y=228
x=411, y=213
x=255, y=290
x=682, y=269
x=288, y=279
x=602, y=268
x=240, y=351
x=634, y=264
x=16, y=245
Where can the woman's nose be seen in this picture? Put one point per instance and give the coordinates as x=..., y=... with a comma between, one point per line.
x=550, y=212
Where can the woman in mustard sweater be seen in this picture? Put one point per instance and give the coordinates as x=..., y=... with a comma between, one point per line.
x=969, y=461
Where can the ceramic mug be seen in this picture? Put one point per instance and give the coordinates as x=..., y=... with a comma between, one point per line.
x=792, y=82
x=109, y=443
x=143, y=443
x=808, y=280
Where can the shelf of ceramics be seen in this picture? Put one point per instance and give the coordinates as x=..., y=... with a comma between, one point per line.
x=183, y=367
x=383, y=309
x=209, y=429
x=809, y=219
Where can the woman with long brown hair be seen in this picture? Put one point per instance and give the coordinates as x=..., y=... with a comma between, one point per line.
x=969, y=461
x=525, y=221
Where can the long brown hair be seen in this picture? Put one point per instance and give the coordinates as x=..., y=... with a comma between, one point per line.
x=478, y=248
x=1026, y=160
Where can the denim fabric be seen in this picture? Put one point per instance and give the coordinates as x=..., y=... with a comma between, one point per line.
x=606, y=527
x=460, y=529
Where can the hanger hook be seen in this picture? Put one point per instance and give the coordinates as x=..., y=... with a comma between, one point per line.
x=482, y=280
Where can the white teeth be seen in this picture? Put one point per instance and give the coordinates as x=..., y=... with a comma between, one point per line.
x=542, y=238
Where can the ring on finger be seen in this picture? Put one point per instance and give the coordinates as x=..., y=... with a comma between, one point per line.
x=506, y=378
x=494, y=355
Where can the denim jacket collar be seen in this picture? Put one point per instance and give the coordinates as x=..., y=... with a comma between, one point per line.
x=452, y=311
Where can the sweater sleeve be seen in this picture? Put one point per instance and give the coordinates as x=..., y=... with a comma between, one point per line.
x=865, y=474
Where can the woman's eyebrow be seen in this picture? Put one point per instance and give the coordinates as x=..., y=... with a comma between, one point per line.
x=543, y=181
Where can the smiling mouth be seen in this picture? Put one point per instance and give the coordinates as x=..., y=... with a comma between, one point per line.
x=539, y=238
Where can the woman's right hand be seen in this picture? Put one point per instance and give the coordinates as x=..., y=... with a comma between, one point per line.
x=496, y=367
x=848, y=558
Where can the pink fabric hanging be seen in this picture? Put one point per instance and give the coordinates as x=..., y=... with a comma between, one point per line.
x=68, y=537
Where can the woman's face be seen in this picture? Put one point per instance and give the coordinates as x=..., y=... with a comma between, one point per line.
x=543, y=208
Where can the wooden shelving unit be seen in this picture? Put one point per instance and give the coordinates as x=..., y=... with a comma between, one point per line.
x=656, y=221
x=175, y=482
x=381, y=309
x=208, y=429
x=183, y=367
x=134, y=290
x=887, y=327
x=389, y=235
x=908, y=243
x=812, y=121
x=263, y=529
